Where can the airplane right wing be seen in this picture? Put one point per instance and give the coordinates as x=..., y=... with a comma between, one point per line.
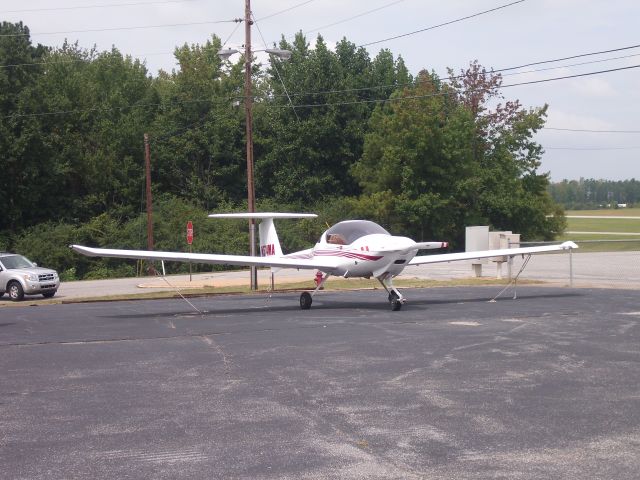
x=325, y=264
x=506, y=252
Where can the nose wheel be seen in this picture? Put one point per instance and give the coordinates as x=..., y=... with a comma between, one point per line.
x=394, y=301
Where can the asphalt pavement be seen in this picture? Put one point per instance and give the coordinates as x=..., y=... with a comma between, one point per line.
x=250, y=387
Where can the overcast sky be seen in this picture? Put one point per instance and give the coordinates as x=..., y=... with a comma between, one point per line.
x=526, y=32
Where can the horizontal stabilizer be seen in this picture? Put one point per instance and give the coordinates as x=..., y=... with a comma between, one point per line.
x=263, y=215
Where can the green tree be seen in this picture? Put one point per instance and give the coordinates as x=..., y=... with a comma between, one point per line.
x=447, y=160
x=198, y=138
x=81, y=135
x=21, y=149
x=305, y=151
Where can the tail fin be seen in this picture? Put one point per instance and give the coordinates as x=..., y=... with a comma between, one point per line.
x=269, y=243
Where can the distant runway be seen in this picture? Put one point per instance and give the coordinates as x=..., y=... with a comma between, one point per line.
x=451, y=387
x=629, y=234
x=608, y=217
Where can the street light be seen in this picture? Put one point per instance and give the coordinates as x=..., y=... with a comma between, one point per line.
x=248, y=107
x=226, y=53
x=278, y=52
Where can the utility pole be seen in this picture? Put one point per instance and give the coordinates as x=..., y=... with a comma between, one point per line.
x=224, y=54
x=248, y=106
x=147, y=165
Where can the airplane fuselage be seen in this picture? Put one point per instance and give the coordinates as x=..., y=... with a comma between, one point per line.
x=368, y=256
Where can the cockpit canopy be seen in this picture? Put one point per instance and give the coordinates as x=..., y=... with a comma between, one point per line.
x=347, y=232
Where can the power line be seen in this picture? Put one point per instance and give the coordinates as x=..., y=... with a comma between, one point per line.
x=531, y=82
x=377, y=87
x=572, y=57
x=442, y=24
x=57, y=62
x=563, y=66
x=180, y=131
x=352, y=17
x=352, y=102
x=455, y=77
x=120, y=28
x=83, y=7
x=230, y=35
x=590, y=130
x=275, y=66
x=284, y=11
x=123, y=107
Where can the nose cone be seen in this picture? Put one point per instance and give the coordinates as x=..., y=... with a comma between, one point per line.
x=391, y=244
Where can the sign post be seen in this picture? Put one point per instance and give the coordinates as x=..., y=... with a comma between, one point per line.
x=189, y=241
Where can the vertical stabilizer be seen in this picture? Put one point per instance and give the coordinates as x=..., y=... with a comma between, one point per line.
x=269, y=242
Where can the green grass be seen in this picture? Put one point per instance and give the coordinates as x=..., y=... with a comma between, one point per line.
x=604, y=225
x=618, y=225
x=602, y=245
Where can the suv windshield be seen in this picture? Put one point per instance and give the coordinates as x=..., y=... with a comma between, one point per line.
x=16, y=261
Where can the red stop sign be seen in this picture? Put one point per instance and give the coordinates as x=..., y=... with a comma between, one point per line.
x=189, y=232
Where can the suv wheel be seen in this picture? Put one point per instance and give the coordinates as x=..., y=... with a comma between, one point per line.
x=16, y=293
x=49, y=294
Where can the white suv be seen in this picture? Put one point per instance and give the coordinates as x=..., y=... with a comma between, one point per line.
x=19, y=276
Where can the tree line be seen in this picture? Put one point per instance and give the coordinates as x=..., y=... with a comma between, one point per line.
x=591, y=193
x=351, y=137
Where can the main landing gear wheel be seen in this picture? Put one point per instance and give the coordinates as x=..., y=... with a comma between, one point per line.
x=395, y=302
x=396, y=305
x=305, y=300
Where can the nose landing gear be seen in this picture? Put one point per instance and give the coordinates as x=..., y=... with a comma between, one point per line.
x=396, y=300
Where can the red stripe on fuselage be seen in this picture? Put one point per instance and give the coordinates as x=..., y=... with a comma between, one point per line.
x=347, y=254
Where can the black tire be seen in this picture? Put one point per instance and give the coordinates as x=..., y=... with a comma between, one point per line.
x=16, y=292
x=305, y=300
x=49, y=294
x=1, y=294
x=396, y=305
x=393, y=296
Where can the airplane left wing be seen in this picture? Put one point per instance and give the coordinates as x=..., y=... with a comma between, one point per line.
x=506, y=252
x=326, y=264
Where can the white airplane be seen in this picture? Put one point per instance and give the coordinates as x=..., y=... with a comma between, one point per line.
x=352, y=248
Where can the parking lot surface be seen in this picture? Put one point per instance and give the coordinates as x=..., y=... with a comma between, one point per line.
x=450, y=387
